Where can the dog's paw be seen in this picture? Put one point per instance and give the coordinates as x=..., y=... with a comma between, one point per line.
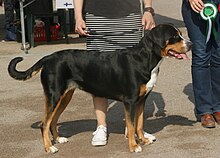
x=146, y=141
x=62, y=140
x=151, y=141
x=136, y=148
x=52, y=149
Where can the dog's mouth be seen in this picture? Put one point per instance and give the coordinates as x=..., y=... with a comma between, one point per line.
x=177, y=55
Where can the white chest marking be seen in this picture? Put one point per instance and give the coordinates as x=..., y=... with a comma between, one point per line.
x=153, y=79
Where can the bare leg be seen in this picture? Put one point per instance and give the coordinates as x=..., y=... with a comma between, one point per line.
x=100, y=105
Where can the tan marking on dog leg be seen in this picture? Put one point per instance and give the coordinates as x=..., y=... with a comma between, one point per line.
x=143, y=90
x=133, y=146
x=35, y=72
x=46, y=126
x=44, y=130
x=66, y=99
x=140, y=122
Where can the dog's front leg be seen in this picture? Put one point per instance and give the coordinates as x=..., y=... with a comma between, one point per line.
x=140, y=120
x=131, y=127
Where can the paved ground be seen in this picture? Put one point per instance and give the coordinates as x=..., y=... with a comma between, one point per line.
x=169, y=111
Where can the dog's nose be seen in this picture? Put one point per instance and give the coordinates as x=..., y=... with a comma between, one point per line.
x=189, y=45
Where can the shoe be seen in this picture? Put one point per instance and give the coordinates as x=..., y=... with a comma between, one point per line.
x=207, y=121
x=6, y=40
x=149, y=136
x=100, y=136
x=217, y=117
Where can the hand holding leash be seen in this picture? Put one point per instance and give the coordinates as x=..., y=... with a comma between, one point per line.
x=147, y=21
x=80, y=28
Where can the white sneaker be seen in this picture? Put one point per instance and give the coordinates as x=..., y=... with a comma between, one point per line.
x=100, y=136
x=149, y=136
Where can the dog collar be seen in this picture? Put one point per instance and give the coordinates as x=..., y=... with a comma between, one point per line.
x=209, y=14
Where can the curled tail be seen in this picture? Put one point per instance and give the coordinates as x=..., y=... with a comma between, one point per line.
x=24, y=75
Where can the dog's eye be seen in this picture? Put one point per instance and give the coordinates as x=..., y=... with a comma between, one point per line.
x=174, y=39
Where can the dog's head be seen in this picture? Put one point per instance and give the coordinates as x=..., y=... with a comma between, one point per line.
x=170, y=41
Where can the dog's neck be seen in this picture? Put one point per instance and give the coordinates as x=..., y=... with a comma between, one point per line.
x=150, y=48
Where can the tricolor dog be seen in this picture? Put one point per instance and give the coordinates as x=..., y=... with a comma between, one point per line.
x=124, y=75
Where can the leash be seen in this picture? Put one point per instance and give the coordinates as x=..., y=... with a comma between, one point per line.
x=94, y=32
x=209, y=14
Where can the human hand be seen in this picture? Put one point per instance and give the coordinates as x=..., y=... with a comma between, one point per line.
x=196, y=5
x=148, y=21
x=80, y=27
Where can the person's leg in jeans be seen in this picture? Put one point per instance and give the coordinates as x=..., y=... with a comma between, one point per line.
x=10, y=33
x=215, y=74
x=201, y=58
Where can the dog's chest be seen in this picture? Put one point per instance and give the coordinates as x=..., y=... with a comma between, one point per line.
x=153, y=79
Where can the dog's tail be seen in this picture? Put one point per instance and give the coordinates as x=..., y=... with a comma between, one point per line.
x=24, y=75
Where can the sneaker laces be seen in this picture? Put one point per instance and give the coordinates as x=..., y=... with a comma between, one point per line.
x=100, y=128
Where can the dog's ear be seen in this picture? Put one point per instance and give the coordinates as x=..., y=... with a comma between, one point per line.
x=147, y=37
x=158, y=36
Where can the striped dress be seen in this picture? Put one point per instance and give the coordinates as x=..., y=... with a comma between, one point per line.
x=115, y=33
x=116, y=28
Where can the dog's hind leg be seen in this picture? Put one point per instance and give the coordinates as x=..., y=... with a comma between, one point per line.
x=53, y=128
x=45, y=129
x=52, y=109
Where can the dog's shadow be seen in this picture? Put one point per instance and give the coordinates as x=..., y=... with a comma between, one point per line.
x=116, y=123
x=188, y=90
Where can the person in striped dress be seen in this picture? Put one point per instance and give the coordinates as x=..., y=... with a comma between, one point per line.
x=112, y=24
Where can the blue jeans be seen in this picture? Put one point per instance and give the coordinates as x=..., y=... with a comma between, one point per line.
x=205, y=62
